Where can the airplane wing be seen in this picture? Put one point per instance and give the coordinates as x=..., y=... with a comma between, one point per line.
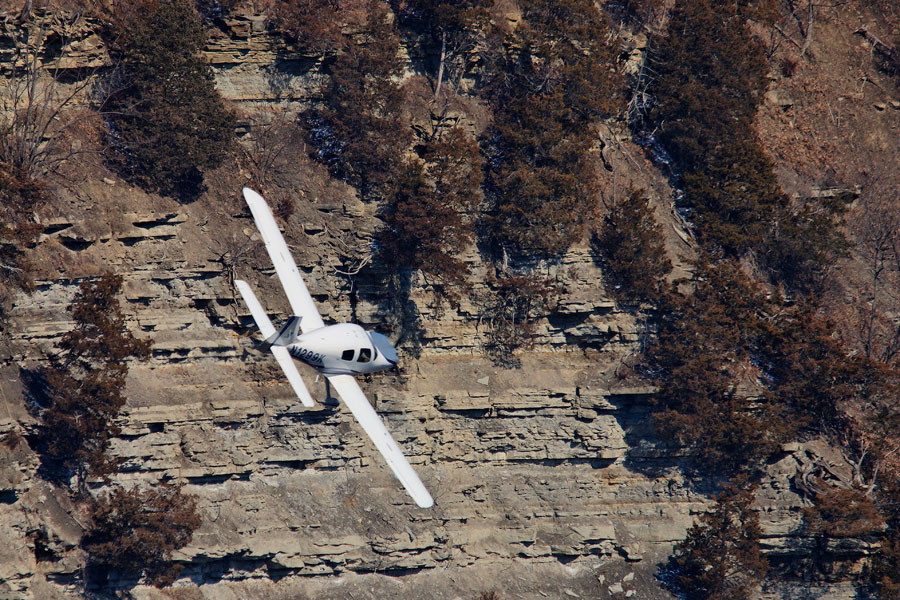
x=298, y=295
x=281, y=353
x=356, y=401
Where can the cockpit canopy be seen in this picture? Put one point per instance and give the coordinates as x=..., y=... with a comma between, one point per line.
x=364, y=354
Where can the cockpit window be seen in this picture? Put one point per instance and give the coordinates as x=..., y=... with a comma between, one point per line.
x=365, y=355
x=348, y=354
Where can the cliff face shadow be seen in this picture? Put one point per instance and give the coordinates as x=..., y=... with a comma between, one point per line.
x=809, y=565
x=651, y=455
x=35, y=390
x=396, y=311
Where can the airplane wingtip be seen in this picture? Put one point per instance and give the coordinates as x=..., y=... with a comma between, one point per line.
x=251, y=195
x=420, y=496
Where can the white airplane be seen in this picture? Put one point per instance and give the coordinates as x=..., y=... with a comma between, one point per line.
x=337, y=351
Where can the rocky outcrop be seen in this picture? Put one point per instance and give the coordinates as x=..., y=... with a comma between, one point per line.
x=529, y=466
x=551, y=465
x=547, y=478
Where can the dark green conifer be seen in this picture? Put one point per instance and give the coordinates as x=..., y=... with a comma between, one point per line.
x=707, y=341
x=549, y=80
x=167, y=121
x=632, y=251
x=709, y=80
x=720, y=558
x=430, y=217
x=134, y=532
x=86, y=382
x=358, y=132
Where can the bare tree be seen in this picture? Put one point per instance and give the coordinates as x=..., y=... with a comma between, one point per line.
x=804, y=14
x=36, y=108
x=876, y=228
x=273, y=136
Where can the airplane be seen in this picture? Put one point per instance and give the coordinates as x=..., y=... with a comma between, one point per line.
x=339, y=352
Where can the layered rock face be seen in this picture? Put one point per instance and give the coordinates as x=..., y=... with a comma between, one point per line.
x=529, y=465
x=547, y=479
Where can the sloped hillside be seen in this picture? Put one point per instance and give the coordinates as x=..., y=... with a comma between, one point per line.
x=549, y=475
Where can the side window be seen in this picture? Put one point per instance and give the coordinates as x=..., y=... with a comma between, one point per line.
x=348, y=354
x=365, y=355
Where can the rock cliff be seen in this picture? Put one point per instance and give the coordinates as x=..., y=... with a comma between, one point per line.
x=547, y=479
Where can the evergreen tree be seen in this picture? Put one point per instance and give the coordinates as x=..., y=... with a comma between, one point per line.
x=86, y=382
x=314, y=25
x=632, y=251
x=707, y=341
x=167, y=121
x=710, y=78
x=431, y=212
x=358, y=132
x=134, y=532
x=549, y=80
x=720, y=558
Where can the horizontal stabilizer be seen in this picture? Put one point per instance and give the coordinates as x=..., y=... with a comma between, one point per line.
x=256, y=309
x=281, y=354
x=287, y=335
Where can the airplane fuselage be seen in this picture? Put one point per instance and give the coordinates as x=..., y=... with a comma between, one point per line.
x=344, y=349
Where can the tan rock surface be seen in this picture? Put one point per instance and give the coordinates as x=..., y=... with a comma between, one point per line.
x=547, y=479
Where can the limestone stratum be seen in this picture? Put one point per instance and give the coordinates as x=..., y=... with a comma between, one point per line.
x=522, y=397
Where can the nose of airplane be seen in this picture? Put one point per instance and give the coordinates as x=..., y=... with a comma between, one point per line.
x=384, y=347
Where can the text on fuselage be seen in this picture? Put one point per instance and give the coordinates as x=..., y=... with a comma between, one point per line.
x=306, y=355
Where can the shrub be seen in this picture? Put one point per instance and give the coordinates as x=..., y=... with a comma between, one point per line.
x=38, y=108
x=643, y=13
x=549, y=80
x=632, y=251
x=720, y=558
x=815, y=380
x=86, y=382
x=358, y=132
x=841, y=512
x=509, y=310
x=311, y=24
x=167, y=122
x=429, y=219
x=710, y=77
x=707, y=342
x=134, y=532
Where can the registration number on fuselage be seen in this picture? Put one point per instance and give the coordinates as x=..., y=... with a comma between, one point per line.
x=307, y=355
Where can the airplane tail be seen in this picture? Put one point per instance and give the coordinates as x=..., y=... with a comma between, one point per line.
x=286, y=336
x=281, y=354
